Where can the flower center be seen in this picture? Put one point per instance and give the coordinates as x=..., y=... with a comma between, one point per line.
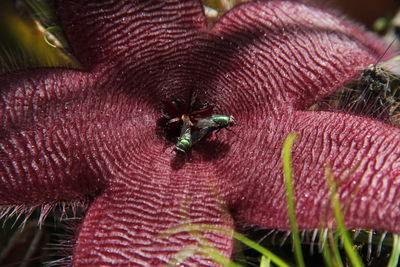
x=187, y=124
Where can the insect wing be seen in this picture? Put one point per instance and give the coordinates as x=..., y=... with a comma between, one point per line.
x=206, y=123
x=184, y=142
x=185, y=130
x=200, y=134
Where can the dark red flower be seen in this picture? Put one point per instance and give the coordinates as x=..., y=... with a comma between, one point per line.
x=68, y=134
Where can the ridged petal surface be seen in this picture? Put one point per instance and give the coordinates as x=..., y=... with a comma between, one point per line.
x=133, y=30
x=363, y=154
x=68, y=134
x=43, y=147
x=133, y=221
x=262, y=58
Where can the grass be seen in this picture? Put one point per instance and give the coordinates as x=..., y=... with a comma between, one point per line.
x=204, y=248
x=394, y=258
x=344, y=235
x=290, y=201
x=331, y=251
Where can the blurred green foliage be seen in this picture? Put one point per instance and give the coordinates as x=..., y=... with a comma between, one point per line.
x=24, y=28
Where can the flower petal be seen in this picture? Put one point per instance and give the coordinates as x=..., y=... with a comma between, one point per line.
x=103, y=30
x=135, y=220
x=44, y=151
x=275, y=55
x=364, y=156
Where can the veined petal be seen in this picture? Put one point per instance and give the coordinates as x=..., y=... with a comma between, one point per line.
x=363, y=154
x=103, y=31
x=63, y=134
x=150, y=217
x=265, y=56
x=41, y=154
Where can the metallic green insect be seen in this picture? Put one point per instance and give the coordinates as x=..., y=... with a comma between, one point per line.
x=216, y=122
x=206, y=126
x=201, y=129
x=184, y=142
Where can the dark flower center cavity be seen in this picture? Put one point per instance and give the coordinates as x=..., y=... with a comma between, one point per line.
x=186, y=123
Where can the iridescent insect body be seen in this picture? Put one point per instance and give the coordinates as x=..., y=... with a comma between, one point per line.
x=206, y=126
x=181, y=117
x=374, y=93
x=184, y=142
x=216, y=122
x=193, y=122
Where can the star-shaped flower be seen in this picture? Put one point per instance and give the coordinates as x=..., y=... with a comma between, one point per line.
x=67, y=135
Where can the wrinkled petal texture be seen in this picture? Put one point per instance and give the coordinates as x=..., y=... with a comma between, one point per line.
x=41, y=151
x=294, y=62
x=67, y=134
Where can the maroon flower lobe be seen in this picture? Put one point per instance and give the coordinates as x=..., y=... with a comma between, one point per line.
x=70, y=135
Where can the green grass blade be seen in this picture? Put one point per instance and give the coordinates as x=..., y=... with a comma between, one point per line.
x=394, y=258
x=348, y=244
x=47, y=30
x=265, y=262
x=335, y=249
x=209, y=252
x=265, y=252
x=287, y=171
x=327, y=254
x=250, y=243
